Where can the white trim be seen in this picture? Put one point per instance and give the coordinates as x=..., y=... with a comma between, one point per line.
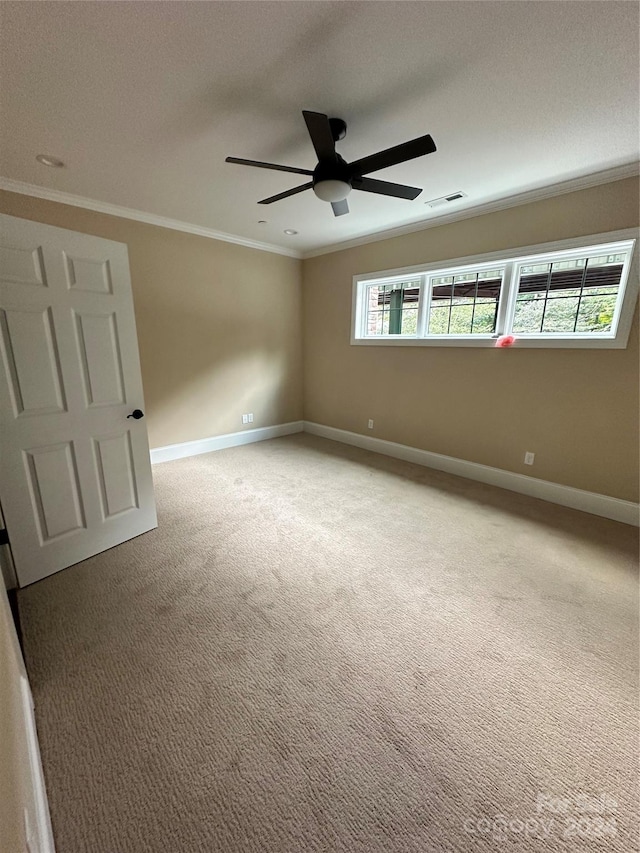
x=591, y=502
x=608, y=176
x=43, y=818
x=220, y=442
x=511, y=259
x=139, y=216
x=27, y=724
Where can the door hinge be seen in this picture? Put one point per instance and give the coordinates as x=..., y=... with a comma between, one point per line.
x=4, y=536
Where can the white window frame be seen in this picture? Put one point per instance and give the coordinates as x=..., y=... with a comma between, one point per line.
x=512, y=260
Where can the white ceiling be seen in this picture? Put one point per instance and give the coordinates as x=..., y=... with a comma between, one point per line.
x=144, y=100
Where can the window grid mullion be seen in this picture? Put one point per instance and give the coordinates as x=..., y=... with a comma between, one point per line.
x=475, y=299
x=424, y=306
x=507, y=300
x=546, y=297
x=582, y=284
x=453, y=284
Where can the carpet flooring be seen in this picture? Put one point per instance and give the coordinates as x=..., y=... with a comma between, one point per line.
x=321, y=649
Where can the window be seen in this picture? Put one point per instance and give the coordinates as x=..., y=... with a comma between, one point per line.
x=568, y=296
x=392, y=309
x=574, y=293
x=465, y=303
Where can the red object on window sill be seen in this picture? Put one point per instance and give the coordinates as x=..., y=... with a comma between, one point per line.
x=506, y=341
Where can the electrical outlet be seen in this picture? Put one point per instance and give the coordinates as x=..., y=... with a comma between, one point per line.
x=250, y=417
x=245, y=419
x=370, y=424
x=529, y=457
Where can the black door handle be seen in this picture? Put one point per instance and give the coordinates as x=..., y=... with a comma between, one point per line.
x=137, y=414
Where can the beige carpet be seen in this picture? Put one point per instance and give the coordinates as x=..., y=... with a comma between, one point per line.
x=321, y=649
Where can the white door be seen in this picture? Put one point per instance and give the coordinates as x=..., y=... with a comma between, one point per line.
x=75, y=473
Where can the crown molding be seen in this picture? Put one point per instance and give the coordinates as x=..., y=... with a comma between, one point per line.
x=609, y=176
x=139, y=216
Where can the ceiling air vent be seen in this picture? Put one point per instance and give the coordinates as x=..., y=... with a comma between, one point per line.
x=445, y=199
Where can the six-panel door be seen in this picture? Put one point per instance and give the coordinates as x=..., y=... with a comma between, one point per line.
x=75, y=474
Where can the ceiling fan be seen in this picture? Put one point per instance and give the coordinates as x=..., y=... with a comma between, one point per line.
x=333, y=179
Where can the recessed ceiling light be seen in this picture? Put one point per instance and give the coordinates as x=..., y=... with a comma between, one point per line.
x=48, y=160
x=290, y=231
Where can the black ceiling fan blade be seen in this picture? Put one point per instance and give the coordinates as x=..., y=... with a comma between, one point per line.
x=340, y=207
x=286, y=193
x=321, y=135
x=392, y=156
x=274, y=166
x=371, y=185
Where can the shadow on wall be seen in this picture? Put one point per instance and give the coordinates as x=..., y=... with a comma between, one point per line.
x=207, y=358
x=253, y=382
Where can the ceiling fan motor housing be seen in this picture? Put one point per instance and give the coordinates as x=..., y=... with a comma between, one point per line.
x=333, y=173
x=332, y=170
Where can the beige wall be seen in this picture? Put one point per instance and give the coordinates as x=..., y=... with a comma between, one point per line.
x=218, y=324
x=219, y=335
x=576, y=409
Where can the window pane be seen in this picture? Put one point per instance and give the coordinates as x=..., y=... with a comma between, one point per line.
x=536, y=269
x=465, y=304
x=606, y=259
x=374, y=323
x=392, y=309
x=560, y=314
x=528, y=316
x=577, y=295
x=484, y=318
x=442, y=280
x=461, y=318
x=409, y=321
x=439, y=319
x=491, y=275
x=596, y=314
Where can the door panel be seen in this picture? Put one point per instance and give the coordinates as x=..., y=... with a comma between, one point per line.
x=22, y=265
x=115, y=470
x=75, y=474
x=30, y=355
x=55, y=490
x=93, y=276
x=99, y=350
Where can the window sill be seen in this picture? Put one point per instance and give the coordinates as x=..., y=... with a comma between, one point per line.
x=529, y=342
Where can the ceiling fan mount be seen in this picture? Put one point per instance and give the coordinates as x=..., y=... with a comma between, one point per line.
x=338, y=128
x=333, y=178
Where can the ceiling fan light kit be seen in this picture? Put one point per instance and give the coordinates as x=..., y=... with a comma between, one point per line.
x=332, y=190
x=333, y=178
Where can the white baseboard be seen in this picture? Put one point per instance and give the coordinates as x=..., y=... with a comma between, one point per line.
x=220, y=442
x=596, y=504
x=43, y=830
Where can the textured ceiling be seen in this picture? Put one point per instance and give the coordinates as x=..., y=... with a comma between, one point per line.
x=143, y=101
